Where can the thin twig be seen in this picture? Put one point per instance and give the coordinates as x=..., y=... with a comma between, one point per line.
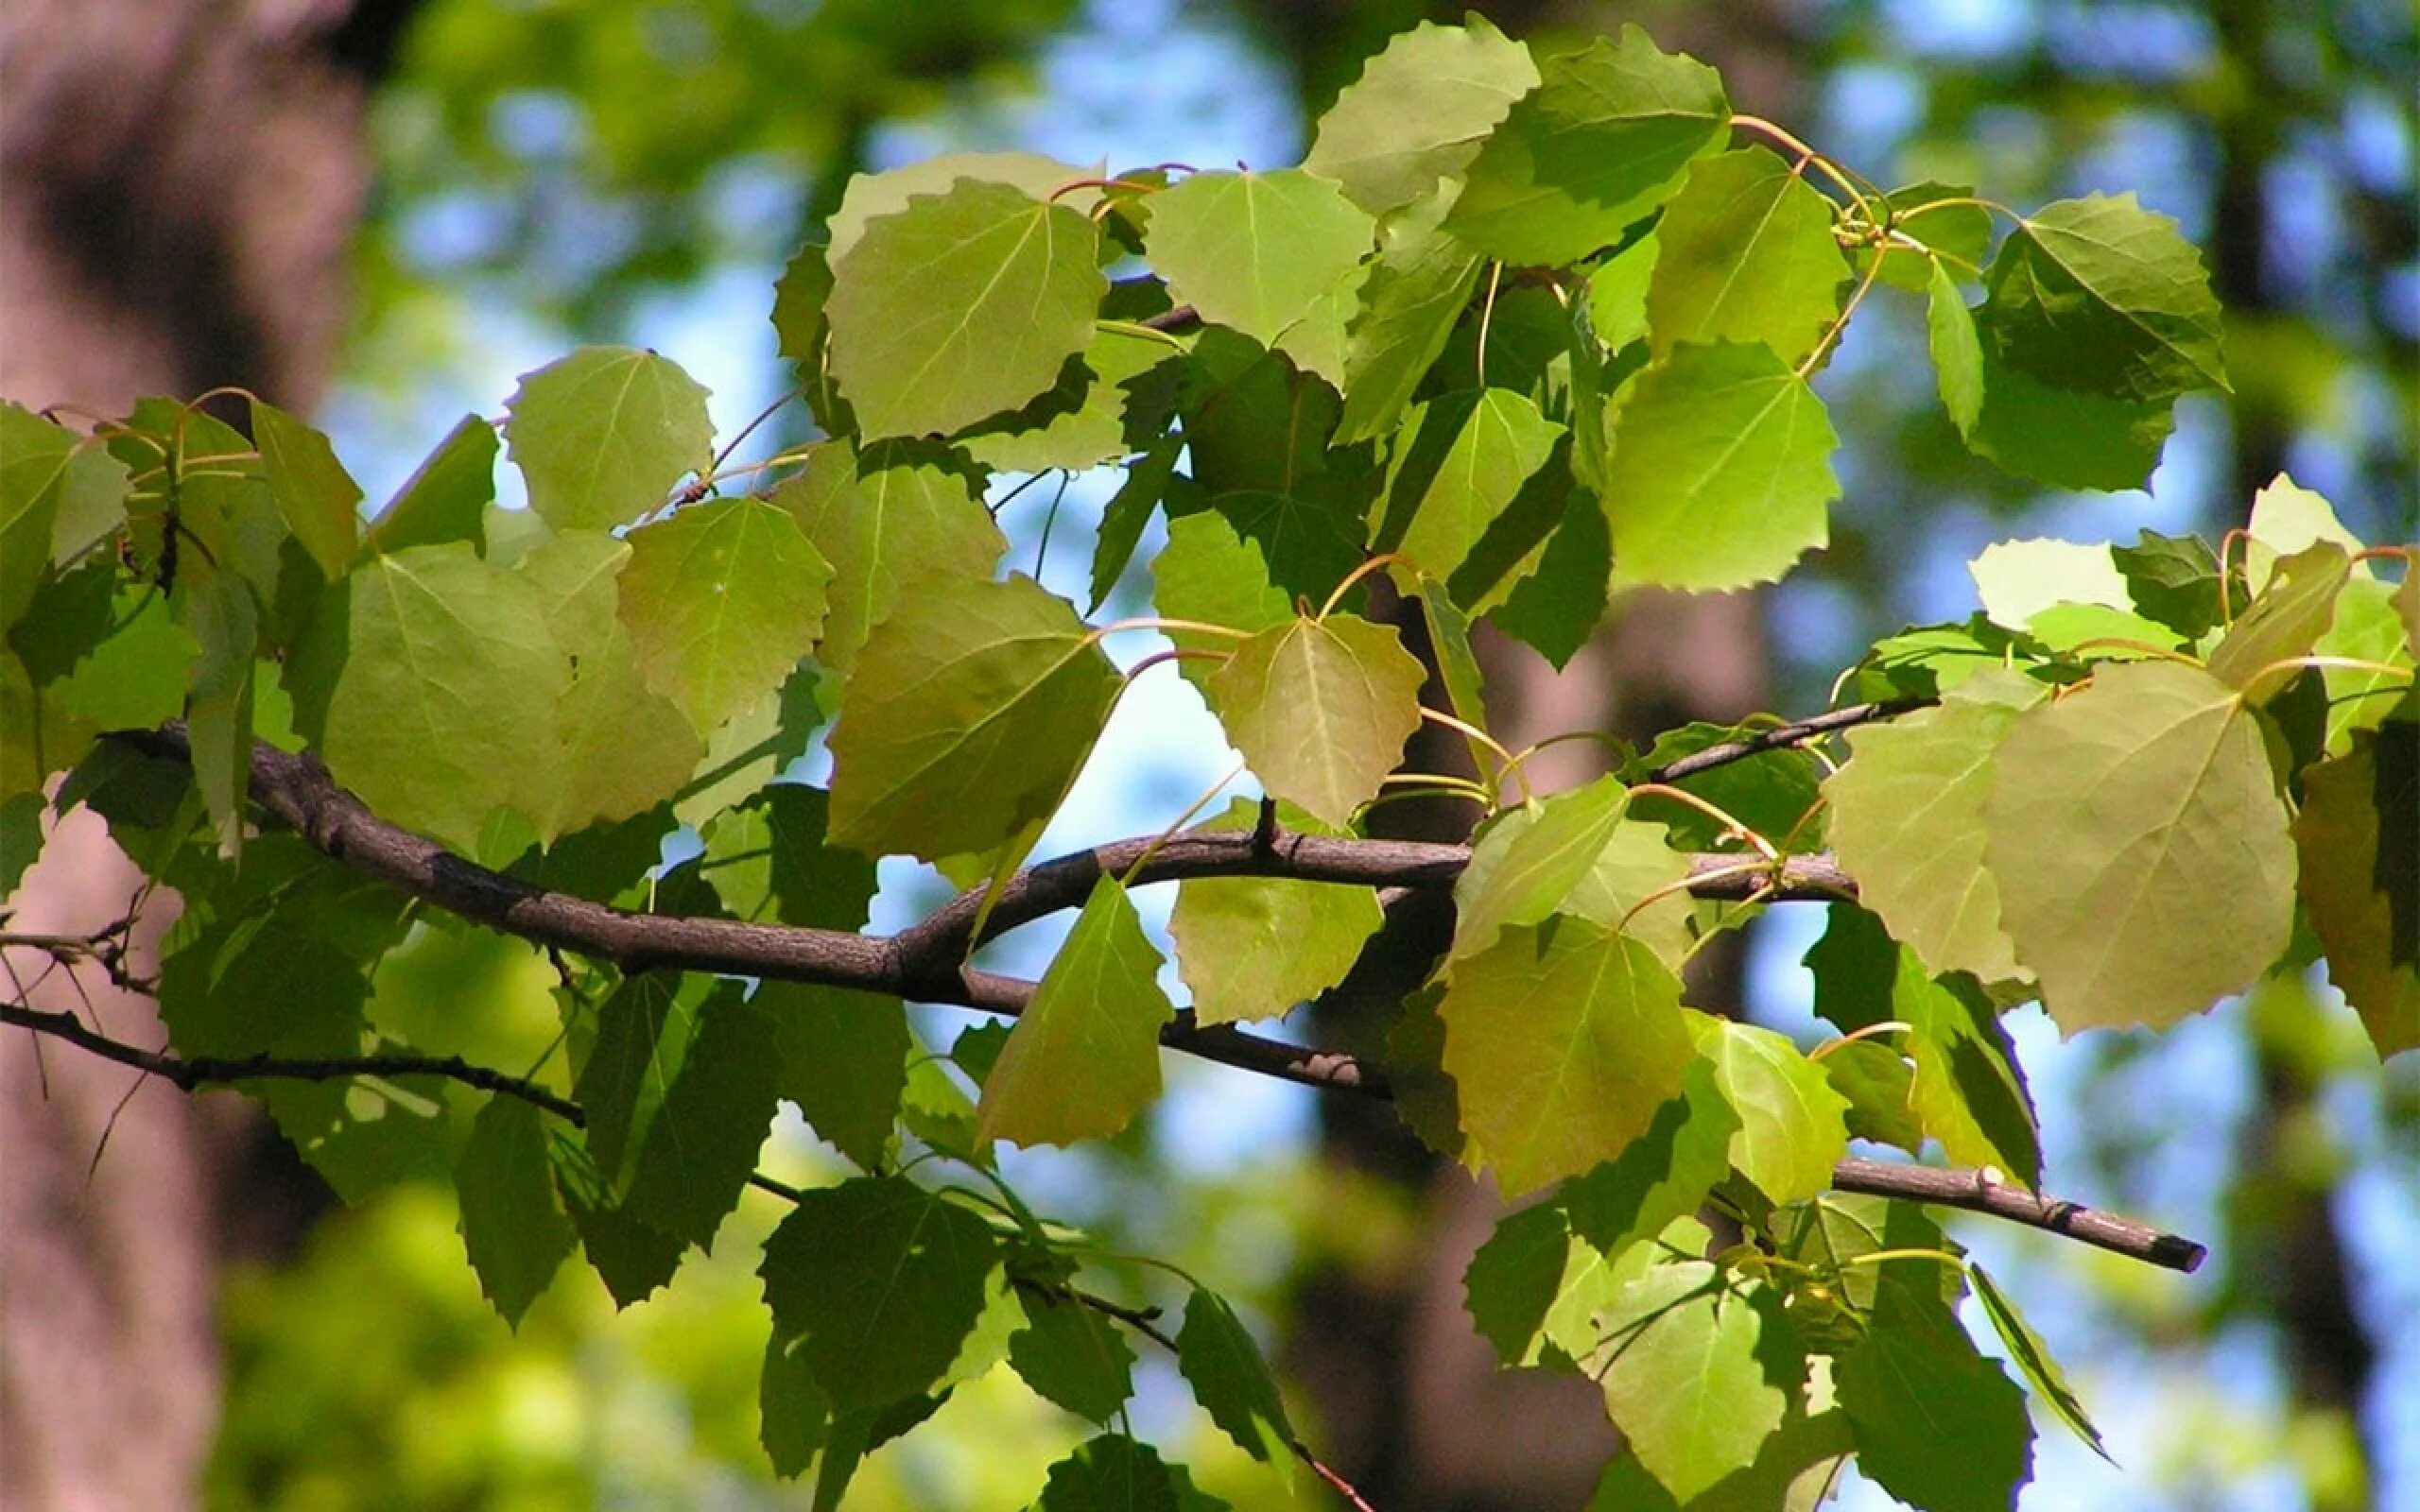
x=1782, y=735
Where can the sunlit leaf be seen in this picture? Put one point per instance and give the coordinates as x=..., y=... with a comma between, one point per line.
x=1419, y=110
x=1320, y=708
x=1254, y=252
x=603, y=435
x=1085, y=1056
x=1746, y=254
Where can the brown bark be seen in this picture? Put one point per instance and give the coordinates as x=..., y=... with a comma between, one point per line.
x=180, y=183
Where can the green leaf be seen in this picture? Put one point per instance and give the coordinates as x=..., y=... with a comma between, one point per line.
x=792, y=1412
x=643, y=1034
x=884, y=1278
x=881, y=519
x=1526, y=861
x=1254, y=252
x=1664, y=1175
x=843, y=1061
x=1967, y=1090
x=2285, y=621
x=1085, y=1056
x=446, y=498
x=622, y=748
x=316, y=496
x=1110, y=1474
x=701, y=1145
x=631, y=1257
x=722, y=600
x=1320, y=708
x=2018, y=579
x=1128, y=511
x=968, y=713
x=1908, y=823
x=1772, y=792
x=514, y=1229
x=1938, y=1425
x=1465, y=458
x=2359, y=880
x=1558, y=607
x=58, y=496
x=2101, y=296
x=1255, y=947
x=1686, y=1377
x=20, y=837
x=2033, y=1357
x=2367, y=629
x=1562, y=1040
x=2173, y=579
x=604, y=435
x=1310, y=534
x=1746, y=254
x=959, y=306
x=2181, y=890
x=1720, y=472
x=1945, y=218
x=1534, y=1289
x=1089, y=415
x=1208, y=573
x=749, y=750
x=2061, y=437
x=137, y=676
x=872, y=196
x=1419, y=111
x=1601, y=143
x=1791, y=1127
x=1416, y=291
x=1073, y=1356
x=429, y=681
x=1232, y=1382
x=2288, y=518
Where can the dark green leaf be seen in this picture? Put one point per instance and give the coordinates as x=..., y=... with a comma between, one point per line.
x=515, y=1233
x=1231, y=1380
x=1073, y=1356
x=2101, y=296
x=2033, y=1357
x=318, y=497
x=701, y=1144
x=447, y=497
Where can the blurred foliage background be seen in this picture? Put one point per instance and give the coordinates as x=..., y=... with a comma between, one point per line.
x=550, y=172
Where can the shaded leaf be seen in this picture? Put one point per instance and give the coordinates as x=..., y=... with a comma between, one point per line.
x=702, y=1142
x=2360, y=876
x=1254, y=946
x=1416, y=291
x=2101, y=296
x=2033, y=1357
x=516, y=1234
x=1074, y=1357
x=316, y=496
x=722, y=600
x=1746, y=255
x=1229, y=1379
x=447, y=496
x=844, y=1061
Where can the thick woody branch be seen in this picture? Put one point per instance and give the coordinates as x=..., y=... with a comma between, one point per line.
x=925, y=963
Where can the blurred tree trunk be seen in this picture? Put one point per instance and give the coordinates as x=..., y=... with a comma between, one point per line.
x=1421, y=1419
x=181, y=182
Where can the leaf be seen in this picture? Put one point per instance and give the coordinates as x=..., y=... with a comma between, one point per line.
x=512, y=1228
x=844, y=1061
x=1128, y=511
x=1416, y=291
x=1527, y=862
x=1908, y=823
x=1086, y=418
x=1938, y=1425
x=702, y=1142
x=2018, y=579
x=1419, y=111
x=751, y=750
x=2033, y=1358
x=722, y=600
x=1309, y=534
x=446, y=498
x=631, y=1257
x=1110, y=1474
x=872, y=196
x=1255, y=947
x=881, y=519
x=1557, y=607
x=622, y=748
x=1945, y=218
x=1320, y=708
x=1967, y=1089
x=2367, y=629
x=1466, y=457
x=1721, y=472
x=1563, y=1039
x=316, y=495
x=643, y=1032
x=1254, y=252
x=884, y=1278
x=1073, y=1356
x=604, y=435
x=429, y=681
x=1683, y=1376
x=2288, y=518
x=1085, y=1056
x=2173, y=579
x=2361, y=879
x=1601, y=143
x=1772, y=792
x=792, y=1412
x=959, y=306
x=58, y=497
x=2101, y=296
x=1791, y=1128
x=2180, y=891
x=967, y=715
x=1746, y=254
x=2061, y=437
x=1664, y=1175
x=1232, y=1382
x=1208, y=573
x=2285, y=621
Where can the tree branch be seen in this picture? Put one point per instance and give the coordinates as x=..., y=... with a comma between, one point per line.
x=924, y=962
x=1779, y=736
